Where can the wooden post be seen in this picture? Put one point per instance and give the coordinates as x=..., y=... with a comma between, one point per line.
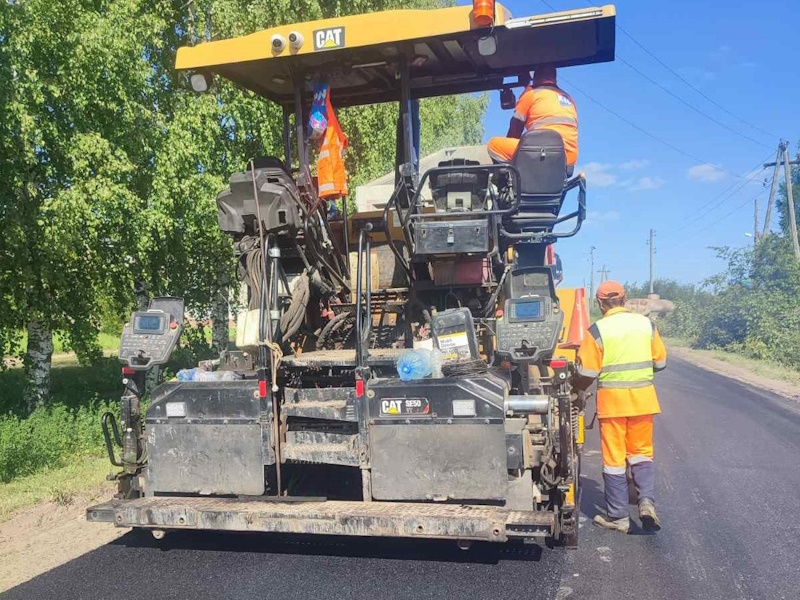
x=774, y=187
x=790, y=202
x=652, y=254
x=755, y=221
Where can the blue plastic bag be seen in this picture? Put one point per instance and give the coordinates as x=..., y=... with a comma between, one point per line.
x=318, y=119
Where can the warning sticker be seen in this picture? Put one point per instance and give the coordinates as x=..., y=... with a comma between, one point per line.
x=454, y=346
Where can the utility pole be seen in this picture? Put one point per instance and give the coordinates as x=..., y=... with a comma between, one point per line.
x=755, y=221
x=591, y=271
x=790, y=201
x=783, y=156
x=604, y=274
x=652, y=244
x=771, y=201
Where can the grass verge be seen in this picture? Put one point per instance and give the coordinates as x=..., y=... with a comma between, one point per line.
x=83, y=477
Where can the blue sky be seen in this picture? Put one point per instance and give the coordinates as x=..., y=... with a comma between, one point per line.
x=739, y=55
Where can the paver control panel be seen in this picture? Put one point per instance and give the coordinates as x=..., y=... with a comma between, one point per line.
x=529, y=328
x=151, y=336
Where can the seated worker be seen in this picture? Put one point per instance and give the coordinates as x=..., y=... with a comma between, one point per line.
x=543, y=105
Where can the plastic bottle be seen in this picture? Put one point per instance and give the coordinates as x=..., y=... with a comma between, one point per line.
x=414, y=364
x=215, y=376
x=436, y=363
x=201, y=375
x=187, y=374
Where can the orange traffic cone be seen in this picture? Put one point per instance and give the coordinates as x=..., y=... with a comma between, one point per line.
x=579, y=322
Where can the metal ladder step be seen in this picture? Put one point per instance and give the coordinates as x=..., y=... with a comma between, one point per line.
x=306, y=446
x=334, y=404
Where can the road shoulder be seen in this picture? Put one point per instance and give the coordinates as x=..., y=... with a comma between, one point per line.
x=38, y=538
x=737, y=371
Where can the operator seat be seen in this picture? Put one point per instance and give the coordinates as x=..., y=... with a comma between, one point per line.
x=542, y=164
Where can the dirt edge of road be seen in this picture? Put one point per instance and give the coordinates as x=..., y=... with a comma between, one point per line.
x=38, y=539
x=705, y=360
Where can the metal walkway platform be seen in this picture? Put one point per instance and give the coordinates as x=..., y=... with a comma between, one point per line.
x=380, y=519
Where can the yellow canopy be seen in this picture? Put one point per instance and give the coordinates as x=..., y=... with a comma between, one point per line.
x=446, y=51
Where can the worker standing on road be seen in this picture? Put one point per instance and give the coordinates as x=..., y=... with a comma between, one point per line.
x=543, y=105
x=622, y=353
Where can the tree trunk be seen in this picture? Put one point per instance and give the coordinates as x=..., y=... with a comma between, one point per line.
x=141, y=292
x=220, y=316
x=38, y=361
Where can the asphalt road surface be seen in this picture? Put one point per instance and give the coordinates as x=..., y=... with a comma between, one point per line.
x=729, y=501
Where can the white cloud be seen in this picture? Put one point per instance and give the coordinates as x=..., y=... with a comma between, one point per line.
x=636, y=163
x=646, y=183
x=619, y=175
x=706, y=173
x=599, y=174
x=598, y=215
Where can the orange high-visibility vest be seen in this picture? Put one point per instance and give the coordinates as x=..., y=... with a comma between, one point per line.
x=549, y=107
x=331, y=174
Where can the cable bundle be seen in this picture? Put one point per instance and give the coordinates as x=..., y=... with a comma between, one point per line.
x=461, y=368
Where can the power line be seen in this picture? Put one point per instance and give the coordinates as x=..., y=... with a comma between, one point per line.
x=693, y=87
x=721, y=197
x=643, y=130
x=679, y=76
x=747, y=202
x=676, y=96
x=689, y=104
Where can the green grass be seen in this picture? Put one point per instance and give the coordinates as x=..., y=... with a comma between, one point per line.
x=73, y=385
x=676, y=341
x=69, y=426
x=108, y=342
x=50, y=437
x=84, y=476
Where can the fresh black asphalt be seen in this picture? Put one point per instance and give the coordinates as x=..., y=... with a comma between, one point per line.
x=729, y=500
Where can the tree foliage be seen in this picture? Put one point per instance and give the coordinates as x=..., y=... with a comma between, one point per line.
x=753, y=307
x=109, y=165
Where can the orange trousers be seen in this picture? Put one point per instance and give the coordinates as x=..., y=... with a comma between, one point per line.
x=502, y=149
x=626, y=440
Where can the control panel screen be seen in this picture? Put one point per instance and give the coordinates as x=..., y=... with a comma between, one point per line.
x=148, y=323
x=528, y=310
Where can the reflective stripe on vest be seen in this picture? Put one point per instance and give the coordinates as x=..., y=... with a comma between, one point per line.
x=626, y=340
x=543, y=123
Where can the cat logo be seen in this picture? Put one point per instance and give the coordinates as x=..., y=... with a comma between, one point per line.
x=392, y=407
x=327, y=39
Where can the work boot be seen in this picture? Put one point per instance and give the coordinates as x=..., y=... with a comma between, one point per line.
x=622, y=525
x=647, y=513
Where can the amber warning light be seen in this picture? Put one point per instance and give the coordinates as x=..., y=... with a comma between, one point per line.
x=483, y=12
